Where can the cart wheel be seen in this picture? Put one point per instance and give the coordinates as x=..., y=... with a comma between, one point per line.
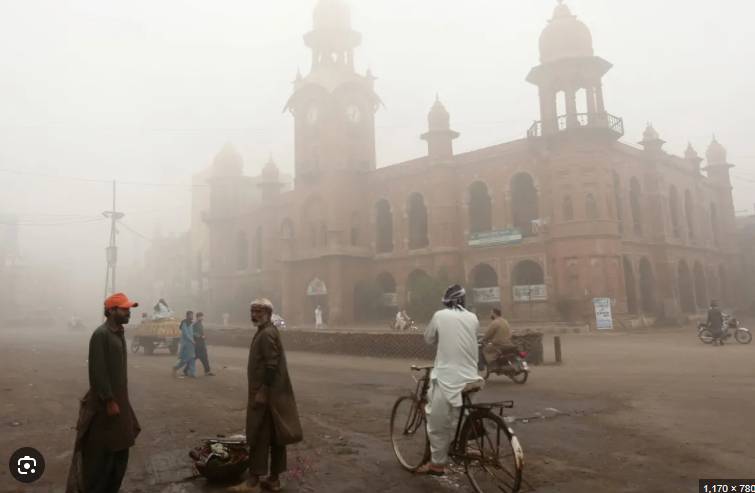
x=173, y=348
x=149, y=347
x=135, y=345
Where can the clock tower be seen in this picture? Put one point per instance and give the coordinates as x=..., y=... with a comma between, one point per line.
x=333, y=106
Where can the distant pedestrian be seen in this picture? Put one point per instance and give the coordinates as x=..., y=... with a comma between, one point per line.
x=107, y=426
x=187, y=353
x=318, y=317
x=272, y=419
x=200, y=345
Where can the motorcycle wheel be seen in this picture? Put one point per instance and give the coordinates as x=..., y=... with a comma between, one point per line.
x=743, y=336
x=520, y=378
x=706, y=336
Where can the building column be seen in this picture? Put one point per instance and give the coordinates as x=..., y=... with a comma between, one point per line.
x=599, y=98
x=571, y=108
x=591, y=105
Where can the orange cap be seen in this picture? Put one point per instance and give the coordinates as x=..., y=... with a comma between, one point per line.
x=119, y=300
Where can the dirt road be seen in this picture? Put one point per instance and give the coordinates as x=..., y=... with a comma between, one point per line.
x=625, y=413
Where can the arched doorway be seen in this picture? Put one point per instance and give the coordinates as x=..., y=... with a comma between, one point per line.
x=630, y=286
x=480, y=208
x=317, y=295
x=686, y=289
x=389, y=302
x=423, y=295
x=528, y=282
x=486, y=292
x=524, y=203
x=647, y=287
x=689, y=212
x=701, y=287
x=417, y=213
x=383, y=227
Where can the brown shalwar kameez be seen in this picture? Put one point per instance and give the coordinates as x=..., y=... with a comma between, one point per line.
x=271, y=426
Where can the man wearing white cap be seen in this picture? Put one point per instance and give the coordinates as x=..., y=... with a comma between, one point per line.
x=272, y=419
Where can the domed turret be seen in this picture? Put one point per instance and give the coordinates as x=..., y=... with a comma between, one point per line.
x=228, y=162
x=651, y=139
x=565, y=37
x=439, y=135
x=438, y=118
x=270, y=171
x=650, y=133
x=716, y=153
x=692, y=157
x=332, y=14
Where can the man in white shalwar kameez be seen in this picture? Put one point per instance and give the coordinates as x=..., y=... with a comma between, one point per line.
x=454, y=329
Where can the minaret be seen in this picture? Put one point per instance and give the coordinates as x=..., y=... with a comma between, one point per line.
x=718, y=167
x=270, y=183
x=567, y=65
x=693, y=158
x=651, y=140
x=439, y=136
x=333, y=106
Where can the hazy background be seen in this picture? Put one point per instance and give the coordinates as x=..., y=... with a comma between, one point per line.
x=148, y=91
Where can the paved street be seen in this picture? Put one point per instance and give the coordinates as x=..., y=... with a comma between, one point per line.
x=625, y=413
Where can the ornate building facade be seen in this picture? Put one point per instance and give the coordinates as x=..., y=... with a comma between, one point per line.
x=566, y=214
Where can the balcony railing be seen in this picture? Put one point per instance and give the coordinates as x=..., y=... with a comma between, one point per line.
x=565, y=123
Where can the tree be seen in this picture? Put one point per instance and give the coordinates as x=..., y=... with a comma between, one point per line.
x=424, y=297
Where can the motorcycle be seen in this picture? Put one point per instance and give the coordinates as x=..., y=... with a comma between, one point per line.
x=512, y=364
x=731, y=327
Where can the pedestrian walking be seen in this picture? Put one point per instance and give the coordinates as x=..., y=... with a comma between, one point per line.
x=187, y=353
x=318, y=317
x=272, y=419
x=107, y=426
x=200, y=344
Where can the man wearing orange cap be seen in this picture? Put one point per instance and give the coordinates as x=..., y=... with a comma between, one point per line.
x=107, y=425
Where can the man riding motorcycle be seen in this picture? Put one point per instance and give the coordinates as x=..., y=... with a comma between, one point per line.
x=715, y=323
x=497, y=339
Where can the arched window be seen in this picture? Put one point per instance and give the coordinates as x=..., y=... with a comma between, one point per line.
x=258, y=249
x=417, y=222
x=383, y=227
x=591, y=206
x=480, y=208
x=528, y=273
x=714, y=223
x=689, y=213
x=287, y=229
x=524, y=203
x=617, y=196
x=242, y=251
x=635, y=204
x=485, y=289
x=701, y=287
x=630, y=286
x=686, y=289
x=673, y=205
x=567, y=210
x=354, y=233
x=647, y=286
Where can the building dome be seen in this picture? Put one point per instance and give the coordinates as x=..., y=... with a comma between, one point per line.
x=332, y=14
x=716, y=153
x=650, y=134
x=228, y=162
x=565, y=36
x=690, y=153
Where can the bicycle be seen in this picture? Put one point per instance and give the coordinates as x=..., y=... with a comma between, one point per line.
x=487, y=448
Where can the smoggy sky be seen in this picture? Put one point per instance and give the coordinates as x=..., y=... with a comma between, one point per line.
x=148, y=91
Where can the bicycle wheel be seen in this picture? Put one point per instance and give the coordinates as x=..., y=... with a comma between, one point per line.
x=493, y=458
x=409, y=433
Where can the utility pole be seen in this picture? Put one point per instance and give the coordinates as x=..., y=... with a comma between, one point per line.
x=111, y=252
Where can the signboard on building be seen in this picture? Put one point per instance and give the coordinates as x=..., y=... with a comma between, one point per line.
x=535, y=292
x=507, y=236
x=390, y=299
x=603, y=316
x=317, y=288
x=487, y=295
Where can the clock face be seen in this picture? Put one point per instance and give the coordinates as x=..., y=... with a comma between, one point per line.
x=353, y=113
x=313, y=114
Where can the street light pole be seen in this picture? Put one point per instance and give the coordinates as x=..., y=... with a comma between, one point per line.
x=111, y=252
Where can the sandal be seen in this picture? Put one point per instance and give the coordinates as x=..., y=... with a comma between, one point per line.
x=429, y=469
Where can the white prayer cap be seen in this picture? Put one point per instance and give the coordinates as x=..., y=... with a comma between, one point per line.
x=263, y=302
